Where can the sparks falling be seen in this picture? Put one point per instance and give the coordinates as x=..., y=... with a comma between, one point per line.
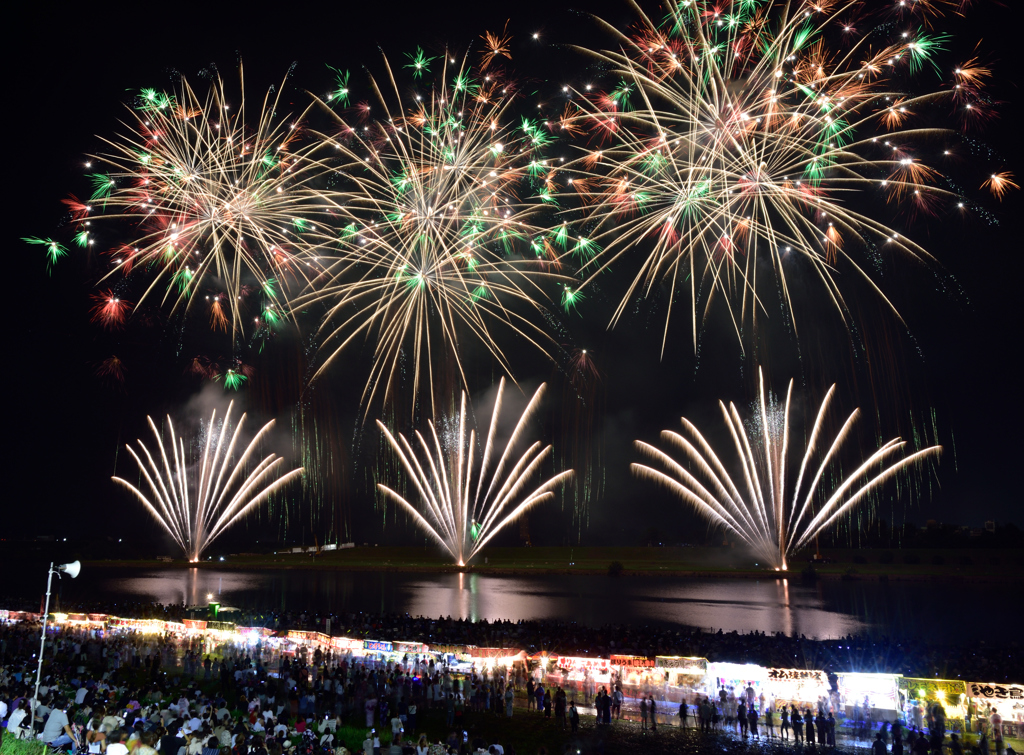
x=213, y=192
x=462, y=506
x=434, y=229
x=745, y=141
x=194, y=502
x=774, y=517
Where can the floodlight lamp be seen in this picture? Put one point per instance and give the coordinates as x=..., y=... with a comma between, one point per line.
x=72, y=570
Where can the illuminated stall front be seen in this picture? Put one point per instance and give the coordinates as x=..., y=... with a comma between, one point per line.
x=918, y=696
x=735, y=678
x=803, y=688
x=635, y=674
x=876, y=695
x=682, y=677
x=581, y=675
x=1006, y=699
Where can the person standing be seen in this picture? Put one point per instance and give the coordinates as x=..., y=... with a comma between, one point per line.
x=682, y=714
x=652, y=710
x=877, y=747
x=616, y=702
x=784, y=723
x=529, y=693
x=574, y=717
x=547, y=703
x=798, y=724
x=769, y=723
x=809, y=728
x=995, y=722
x=560, y=707
x=643, y=713
x=752, y=721
x=510, y=697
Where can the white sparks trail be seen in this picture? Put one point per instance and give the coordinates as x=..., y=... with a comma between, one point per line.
x=774, y=519
x=460, y=514
x=197, y=510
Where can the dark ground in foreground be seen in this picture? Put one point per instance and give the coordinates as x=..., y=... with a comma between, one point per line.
x=527, y=732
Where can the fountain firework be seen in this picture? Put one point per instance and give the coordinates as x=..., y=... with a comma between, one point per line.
x=773, y=519
x=197, y=510
x=460, y=515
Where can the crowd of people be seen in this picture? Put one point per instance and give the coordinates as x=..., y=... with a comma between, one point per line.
x=122, y=692
x=910, y=656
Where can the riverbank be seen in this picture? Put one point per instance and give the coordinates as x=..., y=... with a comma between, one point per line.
x=697, y=562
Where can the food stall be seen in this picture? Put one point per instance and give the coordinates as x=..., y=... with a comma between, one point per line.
x=737, y=677
x=636, y=675
x=918, y=695
x=581, y=676
x=804, y=688
x=492, y=662
x=876, y=695
x=1006, y=699
x=681, y=676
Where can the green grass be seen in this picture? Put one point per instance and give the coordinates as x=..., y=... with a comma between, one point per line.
x=865, y=563
x=12, y=746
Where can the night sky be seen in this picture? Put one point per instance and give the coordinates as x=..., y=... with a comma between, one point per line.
x=71, y=69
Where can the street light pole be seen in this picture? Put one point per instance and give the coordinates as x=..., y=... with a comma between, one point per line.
x=71, y=569
x=42, y=647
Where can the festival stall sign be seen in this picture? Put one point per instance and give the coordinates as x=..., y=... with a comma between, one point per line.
x=195, y=625
x=147, y=626
x=995, y=691
x=378, y=646
x=347, y=645
x=255, y=631
x=797, y=685
x=175, y=627
x=574, y=665
x=880, y=690
x=681, y=671
x=411, y=648
x=918, y=694
x=302, y=637
x=491, y=657
x=632, y=661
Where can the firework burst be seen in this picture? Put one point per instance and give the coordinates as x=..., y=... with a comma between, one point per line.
x=211, y=192
x=462, y=506
x=197, y=502
x=437, y=242
x=774, y=517
x=747, y=139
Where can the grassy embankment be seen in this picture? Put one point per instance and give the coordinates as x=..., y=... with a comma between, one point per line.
x=698, y=561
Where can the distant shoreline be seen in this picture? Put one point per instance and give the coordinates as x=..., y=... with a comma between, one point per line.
x=675, y=563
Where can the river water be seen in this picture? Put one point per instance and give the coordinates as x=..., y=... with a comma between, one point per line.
x=830, y=608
